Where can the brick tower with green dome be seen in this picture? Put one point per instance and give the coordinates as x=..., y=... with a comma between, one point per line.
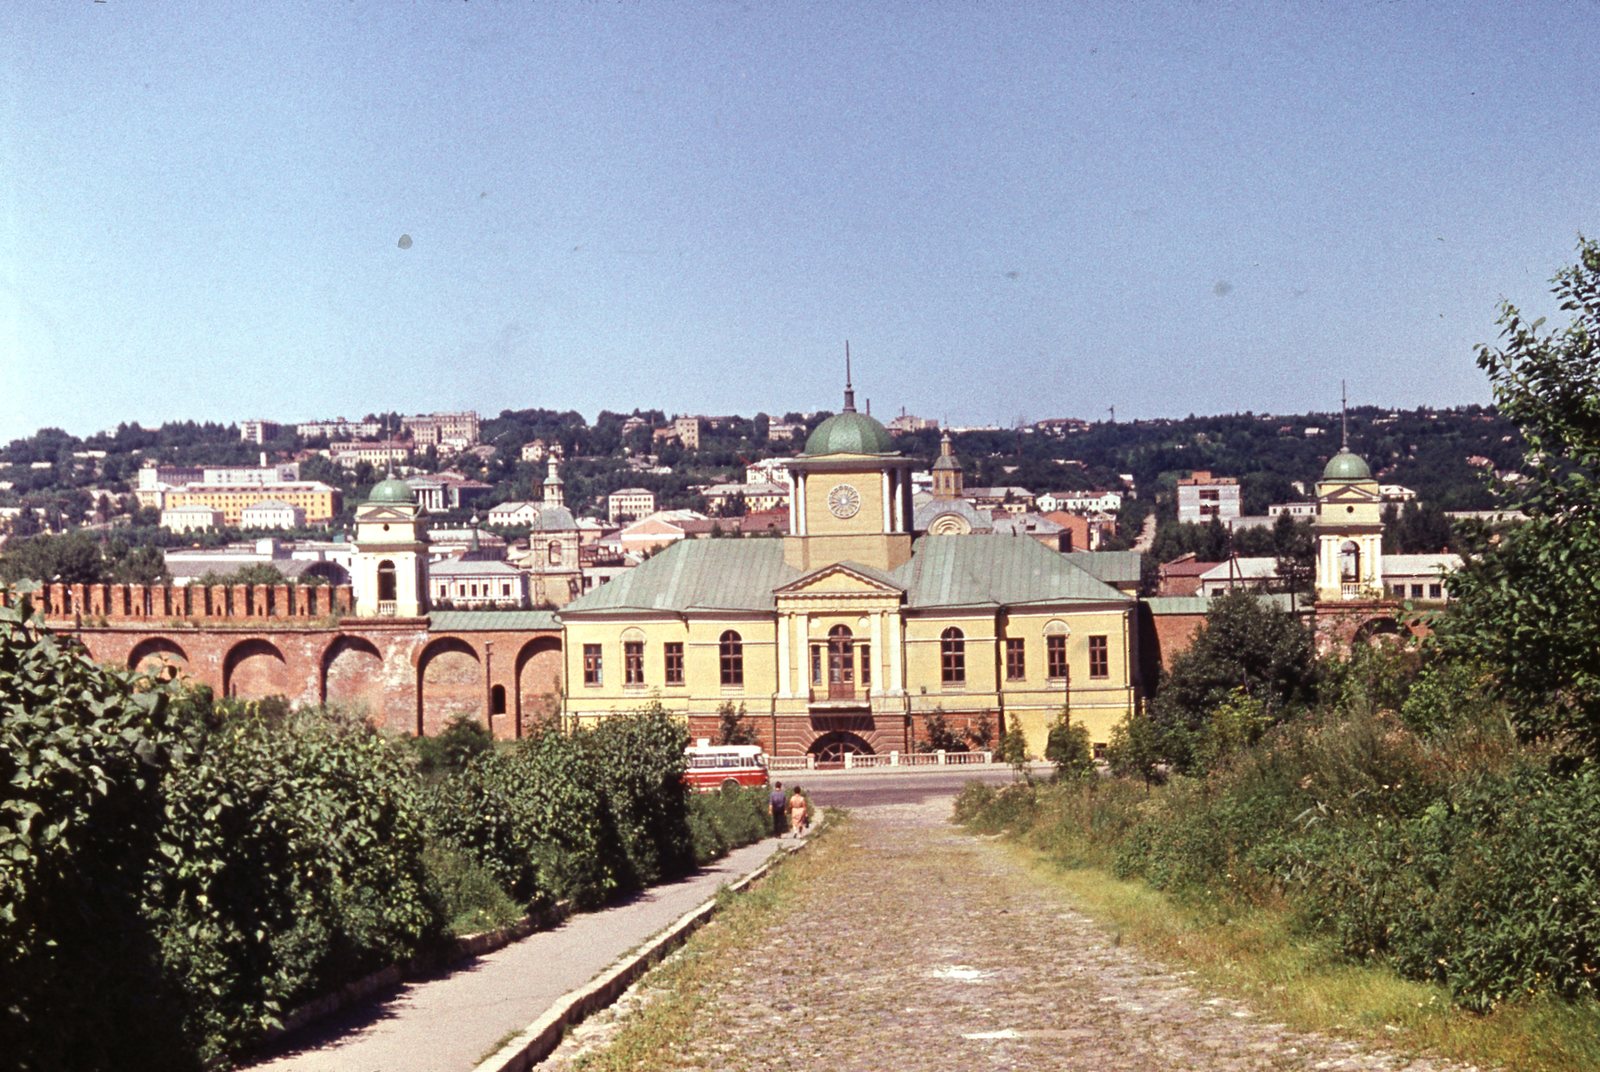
x=852, y=494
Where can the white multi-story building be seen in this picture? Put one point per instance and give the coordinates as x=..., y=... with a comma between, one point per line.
x=191, y=519
x=454, y=430
x=627, y=504
x=338, y=428
x=1203, y=497
x=1293, y=509
x=387, y=452
x=272, y=514
x=1080, y=502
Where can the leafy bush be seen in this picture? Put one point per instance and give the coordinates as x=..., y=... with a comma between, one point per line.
x=462, y=739
x=290, y=861
x=727, y=819
x=83, y=751
x=1068, y=748
x=473, y=901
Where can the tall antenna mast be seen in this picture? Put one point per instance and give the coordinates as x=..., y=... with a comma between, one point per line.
x=849, y=390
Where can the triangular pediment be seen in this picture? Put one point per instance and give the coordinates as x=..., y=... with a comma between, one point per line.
x=841, y=578
x=1351, y=493
x=387, y=513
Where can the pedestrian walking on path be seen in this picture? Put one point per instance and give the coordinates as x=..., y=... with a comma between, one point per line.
x=797, y=813
x=779, y=804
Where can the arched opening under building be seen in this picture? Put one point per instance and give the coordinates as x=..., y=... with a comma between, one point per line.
x=830, y=748
x=1376, y=631
x=352, y=677
x=1349, y=562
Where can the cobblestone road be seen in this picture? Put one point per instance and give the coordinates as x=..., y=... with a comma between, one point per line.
x=940, y=951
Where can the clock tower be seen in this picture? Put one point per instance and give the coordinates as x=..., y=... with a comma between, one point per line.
x=851, y=499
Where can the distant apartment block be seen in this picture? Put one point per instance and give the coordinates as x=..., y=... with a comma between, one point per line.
x=1293, y=509
x=688, y=431
x=907, y=422
x=629, y=504
x=380, y=454
x=272, y=514
x=318, y=501
x=784, y=431
x=1080, y=502
x=156, y=483
x=768, y=471
x=338, y=428
x=191, y=519
x=756, y=497
x=257, y=432
x=447, y=430
x=1202, y=497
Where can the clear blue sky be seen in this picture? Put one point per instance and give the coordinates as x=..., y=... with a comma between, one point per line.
x=1008, y=209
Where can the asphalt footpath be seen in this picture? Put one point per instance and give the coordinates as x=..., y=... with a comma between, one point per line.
x=457, y=1019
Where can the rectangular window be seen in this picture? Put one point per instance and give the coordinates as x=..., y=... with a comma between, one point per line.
x=633, y=662
x=1435, y=591
x=866, y=664
x=816, y=664
x=673, y=650
x=593, y=671
x=1055, y=651
x=1099, y=657
x=1416, y=591
x=1016, y=667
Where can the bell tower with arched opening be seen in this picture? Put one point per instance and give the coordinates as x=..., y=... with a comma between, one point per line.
x=391, y=562
x=1349, y=528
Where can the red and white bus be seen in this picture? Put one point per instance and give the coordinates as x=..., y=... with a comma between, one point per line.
x=713, y=766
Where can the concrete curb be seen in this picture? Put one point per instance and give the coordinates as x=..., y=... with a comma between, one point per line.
x=540, y=1038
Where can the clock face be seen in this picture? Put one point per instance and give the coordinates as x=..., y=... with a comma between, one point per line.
x=844, y=501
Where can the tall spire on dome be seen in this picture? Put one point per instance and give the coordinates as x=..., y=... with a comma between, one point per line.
x=849, y=390
x=1344, y=417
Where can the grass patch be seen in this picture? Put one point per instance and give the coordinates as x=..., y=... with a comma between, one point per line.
x=681, y=986
x=1257, y=955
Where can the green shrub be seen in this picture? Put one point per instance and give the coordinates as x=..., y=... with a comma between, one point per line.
x=290, y=862
x=463, y=739
x=1068, y=748
x=473, y=901
x=83, y=751
x=727, y=819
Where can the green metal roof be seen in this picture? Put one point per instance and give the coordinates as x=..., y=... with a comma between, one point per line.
x=849, y=433
x=479, y=621
x=944, y=571
x=975, y=571
x=1112, y=567
x=697, y=575
x=1346, y=466
x=393, y=490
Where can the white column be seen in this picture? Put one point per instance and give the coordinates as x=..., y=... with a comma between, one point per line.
x=784, y=690
x=877, y=653
x=800, y=510
x=897, y=640
x=888, y=524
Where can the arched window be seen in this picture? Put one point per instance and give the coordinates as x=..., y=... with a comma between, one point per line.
x=497, y=700
x=386, y=583
x=952, y=657
x=730, y=649
x=1350, y=561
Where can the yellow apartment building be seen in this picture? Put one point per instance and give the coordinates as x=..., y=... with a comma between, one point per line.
x=319, y=501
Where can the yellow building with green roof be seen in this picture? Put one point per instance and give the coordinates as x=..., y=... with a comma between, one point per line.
x=849, y=633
